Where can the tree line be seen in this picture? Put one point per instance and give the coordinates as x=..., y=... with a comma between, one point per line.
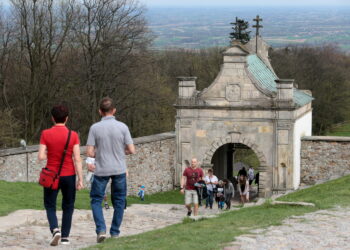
x=76, y=52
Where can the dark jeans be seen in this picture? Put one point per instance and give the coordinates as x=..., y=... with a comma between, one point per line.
x=67, y=187
x=118, y=197
x=228, y=198
x=210, y=199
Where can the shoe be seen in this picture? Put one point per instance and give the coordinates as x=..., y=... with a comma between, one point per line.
x=101, y=237
x=189, y=213
x=65, y=241
x=114, y=236
x=106, y=205
x=56, y=236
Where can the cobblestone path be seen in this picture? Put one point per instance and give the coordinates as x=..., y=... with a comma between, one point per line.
x=28, y=229
x=324, y=229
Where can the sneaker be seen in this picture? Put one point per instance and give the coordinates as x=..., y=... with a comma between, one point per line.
x=101, y=237
x=106, y=205
x=114, y=236
x=56, y=236
x=65, y=241
x=189, y=213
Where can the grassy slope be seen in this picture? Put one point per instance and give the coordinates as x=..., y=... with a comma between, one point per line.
x=214, y=233
x=21, y=195
x=343, y=130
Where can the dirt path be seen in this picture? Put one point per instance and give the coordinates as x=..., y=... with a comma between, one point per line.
x=324, y=229
x=28, y=229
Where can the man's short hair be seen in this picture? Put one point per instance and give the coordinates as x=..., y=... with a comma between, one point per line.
x=59, y=113
x=107, y=105
x=210, y=170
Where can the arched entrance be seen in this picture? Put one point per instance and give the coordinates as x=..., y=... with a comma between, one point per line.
x=229, y=158
x=220, y=152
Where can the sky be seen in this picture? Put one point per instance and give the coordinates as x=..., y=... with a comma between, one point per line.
x=188, y=3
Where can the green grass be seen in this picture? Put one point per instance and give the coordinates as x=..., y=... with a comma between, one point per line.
x=170, y=197
x=214, y=233
x=343, y=130
x=211, y=233
x=23, y=195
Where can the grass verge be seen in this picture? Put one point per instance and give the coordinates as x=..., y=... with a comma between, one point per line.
x=23, y=195
x=343, y=130
x=216, y=232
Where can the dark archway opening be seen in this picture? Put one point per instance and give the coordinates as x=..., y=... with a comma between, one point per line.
x=230, y=158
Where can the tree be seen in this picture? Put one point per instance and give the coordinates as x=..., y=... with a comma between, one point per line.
x=112, y=37
x=240, y=32
x=41, y=31
x=324, y=71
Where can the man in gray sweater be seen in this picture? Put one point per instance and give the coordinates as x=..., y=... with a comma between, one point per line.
x=108, y=142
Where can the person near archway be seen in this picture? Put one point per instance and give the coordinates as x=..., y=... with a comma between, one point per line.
x=251, y=175
x=190, y=177
x=211, y=180
x=243, y=172
x=228, y=192
x=243, y=188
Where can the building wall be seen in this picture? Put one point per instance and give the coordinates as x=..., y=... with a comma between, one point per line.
x=201, y=132
x=152, y=165
x=302, y=127
x=324, y=158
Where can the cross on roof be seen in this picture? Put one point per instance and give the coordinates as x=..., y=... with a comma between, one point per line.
x=257, y=25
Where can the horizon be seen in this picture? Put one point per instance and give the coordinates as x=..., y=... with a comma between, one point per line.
x=246, y=3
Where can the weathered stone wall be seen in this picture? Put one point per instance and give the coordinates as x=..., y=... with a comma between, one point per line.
x=324, y=158
x=153, y=165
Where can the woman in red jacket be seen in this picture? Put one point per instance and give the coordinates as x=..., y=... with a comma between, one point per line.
x=52, y=143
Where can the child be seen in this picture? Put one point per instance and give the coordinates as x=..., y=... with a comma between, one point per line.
x=229, y=192
x=220, y=198
x=141, y=193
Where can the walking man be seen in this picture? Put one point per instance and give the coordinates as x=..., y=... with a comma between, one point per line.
x=108, y=142
x=191, y=176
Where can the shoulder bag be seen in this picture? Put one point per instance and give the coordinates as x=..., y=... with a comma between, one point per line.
x=50, y=179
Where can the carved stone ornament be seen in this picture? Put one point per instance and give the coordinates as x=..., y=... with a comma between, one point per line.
x=233, y=93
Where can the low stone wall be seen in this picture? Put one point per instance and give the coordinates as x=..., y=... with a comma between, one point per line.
x=324, y=158
x=153, y=165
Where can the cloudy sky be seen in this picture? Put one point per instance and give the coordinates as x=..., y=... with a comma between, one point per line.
x=186, y=3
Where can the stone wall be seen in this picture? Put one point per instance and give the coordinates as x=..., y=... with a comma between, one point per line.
x=152, y=165
x=324, y=158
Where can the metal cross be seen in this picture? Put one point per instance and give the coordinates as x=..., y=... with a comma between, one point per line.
x=257, y=26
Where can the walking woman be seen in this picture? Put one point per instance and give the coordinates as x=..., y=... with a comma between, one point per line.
x=228, y=193
x=52, y=145
x=243, y=188
x=211, y=180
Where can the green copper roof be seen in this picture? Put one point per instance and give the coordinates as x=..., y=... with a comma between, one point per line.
x=266, y=78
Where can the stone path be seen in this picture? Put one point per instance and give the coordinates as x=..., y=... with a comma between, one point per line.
x=324, y=229
x=28, y=229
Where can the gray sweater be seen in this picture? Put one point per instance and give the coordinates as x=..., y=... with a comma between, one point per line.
x=229, y=189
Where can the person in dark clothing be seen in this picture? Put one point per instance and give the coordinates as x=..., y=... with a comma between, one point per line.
x=228, y=192
x=243, y=172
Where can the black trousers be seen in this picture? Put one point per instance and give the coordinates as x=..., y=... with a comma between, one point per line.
x=67, y=187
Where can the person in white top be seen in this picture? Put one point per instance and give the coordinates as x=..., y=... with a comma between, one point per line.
x=211, y=180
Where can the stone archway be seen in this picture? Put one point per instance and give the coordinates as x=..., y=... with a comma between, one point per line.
x=236, y=137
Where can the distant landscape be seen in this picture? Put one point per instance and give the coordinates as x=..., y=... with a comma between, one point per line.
x=207, y=27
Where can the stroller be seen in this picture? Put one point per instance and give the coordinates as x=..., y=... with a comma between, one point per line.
x=202, y=192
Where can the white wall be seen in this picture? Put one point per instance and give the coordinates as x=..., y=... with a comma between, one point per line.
x=302, y=127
